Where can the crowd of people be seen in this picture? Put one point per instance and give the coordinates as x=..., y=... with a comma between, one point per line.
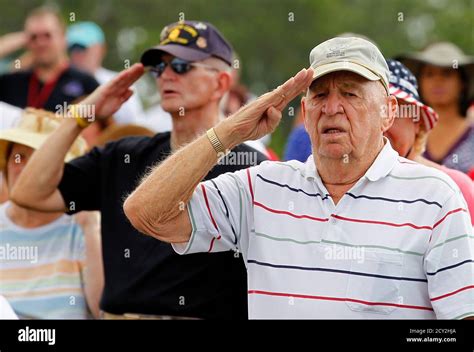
x=183, y=211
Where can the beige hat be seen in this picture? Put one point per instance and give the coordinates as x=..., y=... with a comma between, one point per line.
x=33, y=129
x=350, y=54
x=441, y=54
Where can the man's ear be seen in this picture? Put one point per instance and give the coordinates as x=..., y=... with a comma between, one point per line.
x=303, y=111
x=392, y=111
x=417, y=126
x=64, y=42
x=103, y=51
x=224, y=82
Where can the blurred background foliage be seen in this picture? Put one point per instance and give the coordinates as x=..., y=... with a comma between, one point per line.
x=272, y=37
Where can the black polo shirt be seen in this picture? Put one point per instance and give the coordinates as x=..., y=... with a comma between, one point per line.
x=71, y=85
x=143, y=274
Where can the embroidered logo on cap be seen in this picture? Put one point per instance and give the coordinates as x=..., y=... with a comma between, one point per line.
x=201, y=26
x=338, y=50
x=181, y=34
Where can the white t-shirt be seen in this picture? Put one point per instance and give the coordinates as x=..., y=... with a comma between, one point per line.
x=156, y=119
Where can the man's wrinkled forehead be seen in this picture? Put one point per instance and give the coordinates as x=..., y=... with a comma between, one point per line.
x=340, y=78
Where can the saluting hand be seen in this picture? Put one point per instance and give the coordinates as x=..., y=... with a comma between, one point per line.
x=109, y=97
x=263, y=115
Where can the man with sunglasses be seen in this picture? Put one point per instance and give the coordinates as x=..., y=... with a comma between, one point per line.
x=143, y=276
x=50, y=82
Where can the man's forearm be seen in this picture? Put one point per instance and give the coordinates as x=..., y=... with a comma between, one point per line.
x=44, y=170
x=11, y=42
x=155, y=207
x=161, y=196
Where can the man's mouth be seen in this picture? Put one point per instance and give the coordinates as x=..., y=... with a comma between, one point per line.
x=168, y=92
x=332, y=130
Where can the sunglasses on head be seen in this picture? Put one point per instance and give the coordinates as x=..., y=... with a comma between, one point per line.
x=178, y=66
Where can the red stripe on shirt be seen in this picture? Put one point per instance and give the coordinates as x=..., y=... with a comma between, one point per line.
x=382, y=223
x=250, y=184
x=449, y=213
x=212, y=243
x=207, y=205
x=337, y=299
x=288, y=213
x=212, y=218
x=452, y=293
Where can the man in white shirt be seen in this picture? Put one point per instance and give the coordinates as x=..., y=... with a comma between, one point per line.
x=356, y=232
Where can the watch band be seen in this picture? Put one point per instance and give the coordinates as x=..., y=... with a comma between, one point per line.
x=81, y=122
x=216, y=143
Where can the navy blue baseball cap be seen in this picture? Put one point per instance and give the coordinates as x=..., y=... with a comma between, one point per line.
x=189, y=40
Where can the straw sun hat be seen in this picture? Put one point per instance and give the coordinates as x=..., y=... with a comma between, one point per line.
x=32, y=130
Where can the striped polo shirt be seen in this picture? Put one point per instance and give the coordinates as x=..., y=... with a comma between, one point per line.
x=41, y=269
x=398, y=245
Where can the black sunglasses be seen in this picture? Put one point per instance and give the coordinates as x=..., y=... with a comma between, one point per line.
x=178, y=66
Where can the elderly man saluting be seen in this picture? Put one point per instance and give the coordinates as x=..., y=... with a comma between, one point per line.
x=355, y=232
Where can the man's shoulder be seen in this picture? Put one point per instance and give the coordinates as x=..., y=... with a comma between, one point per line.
x=76, y=74
x=15, y=75
x=433, y=180
x=290, y=167
x=292, y=172
x=138, y=144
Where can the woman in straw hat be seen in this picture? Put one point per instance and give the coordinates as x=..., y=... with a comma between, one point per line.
x=50, y=263
x=446, y=77
x=413, y=125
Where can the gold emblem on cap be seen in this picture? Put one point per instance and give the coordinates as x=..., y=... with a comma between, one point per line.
x=174, y=34
x=177, y=34
x=201, y=42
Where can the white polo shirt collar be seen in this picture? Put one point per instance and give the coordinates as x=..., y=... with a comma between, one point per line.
x=381, y=167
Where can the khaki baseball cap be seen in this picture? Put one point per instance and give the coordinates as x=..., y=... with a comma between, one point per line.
x=350, y=54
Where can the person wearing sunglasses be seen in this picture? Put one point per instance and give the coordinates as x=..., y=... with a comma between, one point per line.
x=355, y=232
x=50, y=81
x=144, y=277
x=178, y=66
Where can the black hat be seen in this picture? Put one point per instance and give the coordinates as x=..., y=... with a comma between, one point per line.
x=189, y=40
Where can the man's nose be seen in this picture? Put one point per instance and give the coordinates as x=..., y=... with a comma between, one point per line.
x=168, y=73
x=332, y=104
